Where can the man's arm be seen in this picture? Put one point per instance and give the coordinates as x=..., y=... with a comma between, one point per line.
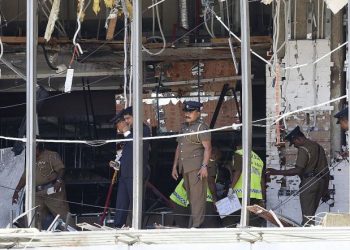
x=20, y=185
x=59, y=180
x=174, y=172
x=207, y=152
x=58, y=166
x=288, y=172
x=236, y=174
x=203, y=172
x=236, y=169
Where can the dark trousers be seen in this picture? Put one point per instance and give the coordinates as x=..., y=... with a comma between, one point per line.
x=124, y=201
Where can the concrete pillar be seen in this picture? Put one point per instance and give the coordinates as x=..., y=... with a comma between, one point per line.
x=337, y=76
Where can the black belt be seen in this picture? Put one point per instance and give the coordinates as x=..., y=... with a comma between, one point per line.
x=308, y=175
x=313, y=174
x=45, y=186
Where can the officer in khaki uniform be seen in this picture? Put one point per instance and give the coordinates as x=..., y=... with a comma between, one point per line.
x=50, y=189
x=192, y=157
x=312, y=168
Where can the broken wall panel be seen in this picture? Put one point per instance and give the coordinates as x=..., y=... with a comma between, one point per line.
x=187, y=70
x=11, y=170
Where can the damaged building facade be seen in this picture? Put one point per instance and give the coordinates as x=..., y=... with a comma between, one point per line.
x=298, y=76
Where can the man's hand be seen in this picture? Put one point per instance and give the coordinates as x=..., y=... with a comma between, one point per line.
x=57, y=186
x=15, y=197
x=230, y=192
x=122, y=127
x=174, y=173
x=344, y=154
x=203, y=173
x=272, y=171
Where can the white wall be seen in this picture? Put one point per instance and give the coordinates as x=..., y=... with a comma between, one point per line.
x=301, y=88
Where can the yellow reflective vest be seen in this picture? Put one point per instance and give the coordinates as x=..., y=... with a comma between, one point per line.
x=255, y=177
x=179, y=196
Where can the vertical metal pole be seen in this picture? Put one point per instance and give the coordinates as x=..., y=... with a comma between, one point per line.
x=348, y=83
x=246, y=110
x=32, y=40
x=137, y=113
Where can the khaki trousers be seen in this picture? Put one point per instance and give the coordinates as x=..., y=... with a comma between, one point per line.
x=53, y=203
x=196, y=192
x=310, y=197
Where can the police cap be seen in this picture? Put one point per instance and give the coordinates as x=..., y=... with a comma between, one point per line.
x=294, y=134
x=128, y=111
x=342, y=114
x=192, y=106
x=118, y=117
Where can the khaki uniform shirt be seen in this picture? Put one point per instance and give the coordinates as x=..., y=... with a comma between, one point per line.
x=190, y=147
x=311, y=156
x=47, y=165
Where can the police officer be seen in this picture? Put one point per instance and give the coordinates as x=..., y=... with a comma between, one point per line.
x=342, y=117
x=343, y=121
x=50, y=193
x=192, y=157
x=257, y=185
x=125, y=183
x=311, y=167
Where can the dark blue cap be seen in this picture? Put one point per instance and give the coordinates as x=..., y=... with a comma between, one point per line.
x=118, y=117
x=294, y=134
x=342, y=114
x=192, y=106
x=128, y=111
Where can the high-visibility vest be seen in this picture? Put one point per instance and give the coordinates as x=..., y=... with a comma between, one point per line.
x=179, y=196
x=255, y=177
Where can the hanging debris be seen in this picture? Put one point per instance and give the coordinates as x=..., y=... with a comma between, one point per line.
x=52, y=19
x=96, y=6
x=109, y=3
x=129, y=7
x=81, y=13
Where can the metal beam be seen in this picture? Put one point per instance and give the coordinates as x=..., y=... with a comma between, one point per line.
x=191, y=82
x=13, y=68
x=246, y=110
x=32, y=41
x=137, y=114
x=348, y=76
x=218, y=105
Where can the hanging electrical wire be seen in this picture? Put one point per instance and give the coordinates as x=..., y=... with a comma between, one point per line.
x=233, y=126
x=206, y=10
x=80, y=18
x=1, y=44
x=161, y=33
x=126, y=31
x=130, y=72
x=230, y=39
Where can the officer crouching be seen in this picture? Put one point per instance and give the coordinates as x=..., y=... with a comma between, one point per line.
x=50, y=196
